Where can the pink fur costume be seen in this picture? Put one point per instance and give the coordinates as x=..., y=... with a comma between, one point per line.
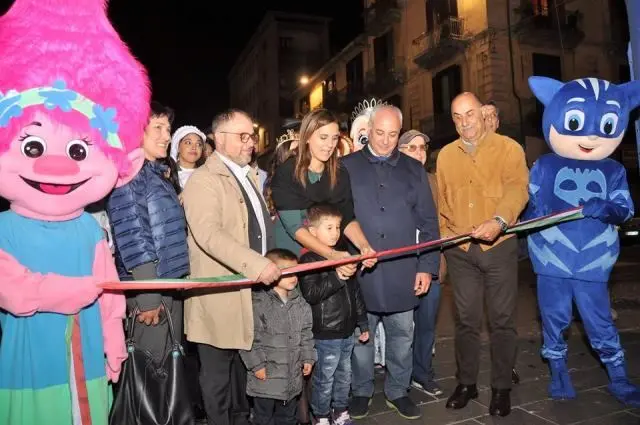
x=73, y=106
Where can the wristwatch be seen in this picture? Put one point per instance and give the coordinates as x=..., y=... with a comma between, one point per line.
x=503, y=224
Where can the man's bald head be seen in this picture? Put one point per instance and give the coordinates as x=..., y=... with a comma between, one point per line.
x=384, y=129
x=466, y=111
x=466, y=100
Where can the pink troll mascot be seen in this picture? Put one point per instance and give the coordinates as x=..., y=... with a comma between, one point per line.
x=73, y=105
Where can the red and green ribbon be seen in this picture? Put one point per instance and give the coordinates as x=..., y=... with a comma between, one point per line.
x=238, y=280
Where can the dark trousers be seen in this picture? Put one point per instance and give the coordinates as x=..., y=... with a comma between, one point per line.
x=223, y=380
x=480, y=276
x=424, y=334
x=267, y=411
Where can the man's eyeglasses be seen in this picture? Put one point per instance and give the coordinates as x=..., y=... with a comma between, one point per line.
x=244, y=137
x=413, y=148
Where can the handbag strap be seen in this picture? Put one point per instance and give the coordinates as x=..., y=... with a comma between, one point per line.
x=172, y=334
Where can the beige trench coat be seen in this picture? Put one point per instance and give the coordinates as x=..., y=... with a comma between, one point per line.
x=219, y=245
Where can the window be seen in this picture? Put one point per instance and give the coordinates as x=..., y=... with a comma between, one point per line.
x=383, y=53
x=330, y=84
x=540, y=7
x=286, y=43
x=619, y=23
x=547, y=65
x=447, y=84
x=438, y=11
x=355, y=74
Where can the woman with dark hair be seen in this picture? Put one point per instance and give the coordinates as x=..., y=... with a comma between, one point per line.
x=187, y=147
x=150, y=235
x=315, y=176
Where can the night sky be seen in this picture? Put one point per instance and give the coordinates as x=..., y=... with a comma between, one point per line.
x=188, y=46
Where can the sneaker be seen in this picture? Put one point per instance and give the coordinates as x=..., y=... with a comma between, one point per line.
x=343, y=419
x=322, y=421
x=430, y=388
x=405, y=408
x=359, y=407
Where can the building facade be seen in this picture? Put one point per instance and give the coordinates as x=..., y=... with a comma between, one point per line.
x=284, y=47
x=420, y=54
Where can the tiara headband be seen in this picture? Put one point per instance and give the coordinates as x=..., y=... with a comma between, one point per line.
x=365, y=107
x=287, y=136
x=58, y=95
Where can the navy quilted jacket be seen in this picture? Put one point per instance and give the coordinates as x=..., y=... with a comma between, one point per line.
x=148, y=224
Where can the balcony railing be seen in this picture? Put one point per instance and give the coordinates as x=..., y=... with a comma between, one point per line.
x=380, y=15
x=446, y=40
x=545, y=27
x=383, y=80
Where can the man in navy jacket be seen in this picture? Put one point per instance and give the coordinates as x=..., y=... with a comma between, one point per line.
x=392, y=199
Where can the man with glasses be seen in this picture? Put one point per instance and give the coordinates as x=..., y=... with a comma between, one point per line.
x=416, y=145
x=230, y=230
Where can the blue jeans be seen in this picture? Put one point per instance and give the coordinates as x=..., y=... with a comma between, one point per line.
x=331, y=376
x=398, y=329
x=425, y=334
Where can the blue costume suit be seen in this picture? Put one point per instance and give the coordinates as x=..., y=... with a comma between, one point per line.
x=584, y=121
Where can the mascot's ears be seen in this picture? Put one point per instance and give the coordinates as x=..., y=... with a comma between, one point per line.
x=544, y=88
x=632, y=90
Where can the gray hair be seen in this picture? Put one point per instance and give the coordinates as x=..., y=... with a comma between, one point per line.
x=378, y=108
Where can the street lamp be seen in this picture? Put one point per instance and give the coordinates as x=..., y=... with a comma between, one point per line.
x=304, y=80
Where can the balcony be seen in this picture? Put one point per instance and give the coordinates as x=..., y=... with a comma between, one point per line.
x=381, y=15
x=447, y=40
x=550, y=28
x=440, y=128
x=382, y=81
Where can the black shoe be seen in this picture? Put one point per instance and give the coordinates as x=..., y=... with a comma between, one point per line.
x=500, y=402
x=461, y=396
x=359, y=407
x=405, y=408
x=515, y=378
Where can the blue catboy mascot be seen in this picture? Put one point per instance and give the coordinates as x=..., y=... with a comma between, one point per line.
x=583, y=123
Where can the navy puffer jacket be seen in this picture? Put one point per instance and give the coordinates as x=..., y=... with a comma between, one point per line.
x=148, y=224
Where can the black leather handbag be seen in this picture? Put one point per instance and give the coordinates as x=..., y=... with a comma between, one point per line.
x=150, y=393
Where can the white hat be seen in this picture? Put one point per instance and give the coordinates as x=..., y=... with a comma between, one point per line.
x=180, y=134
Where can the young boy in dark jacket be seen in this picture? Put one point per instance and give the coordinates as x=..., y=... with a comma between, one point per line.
x=282, y=350
x=338, y=307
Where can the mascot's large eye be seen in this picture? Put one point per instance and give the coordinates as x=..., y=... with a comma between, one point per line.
x=574, y=120
x=77, y=150
x=33, y=147
x=608, y=124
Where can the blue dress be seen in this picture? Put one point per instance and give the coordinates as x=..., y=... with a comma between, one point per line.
x=36, y=371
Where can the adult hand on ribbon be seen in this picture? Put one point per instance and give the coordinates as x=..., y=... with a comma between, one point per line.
x=236, y=281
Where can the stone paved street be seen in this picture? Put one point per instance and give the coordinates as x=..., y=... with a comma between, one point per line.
x=594, y=405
